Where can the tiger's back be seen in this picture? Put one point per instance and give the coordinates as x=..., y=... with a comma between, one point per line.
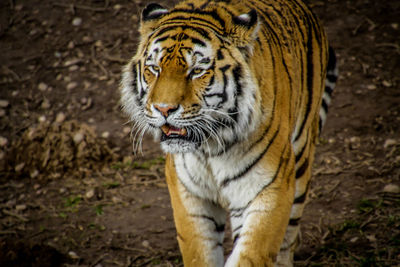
x=233, y=90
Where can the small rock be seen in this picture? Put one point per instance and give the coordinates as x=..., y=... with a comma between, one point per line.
x=72, y=62
x=389, y=142
x=105, y=134
x=87, y=104
x=71, y=45
x=77, y=21
x=117, y=7
x=87, y=39
x=42, y=119
x=395, y=26
x=98, y=43
x=73, y=68
x=354, y=239
x=89, y=194
x=36, y=186
x=146, y=244
x=386, y=83
x=4, y=103
x=2, y=112
x=371, y=238
x=19, y=167
x=391, y=188
x=45, y=104
x=78, y=138
x=62, y=190
x=34, y=173
x=42, y=86
x=60, y=117
x=371, y=87
x=3, y=141
x=18, y=7
x=20, y=207
x=116, y=200
x=72, y=85
x=73, y=255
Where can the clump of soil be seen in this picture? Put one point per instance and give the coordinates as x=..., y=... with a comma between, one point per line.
x=52, y=149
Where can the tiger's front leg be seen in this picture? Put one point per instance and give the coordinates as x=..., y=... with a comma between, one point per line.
x=199, y=224
x=259, y=229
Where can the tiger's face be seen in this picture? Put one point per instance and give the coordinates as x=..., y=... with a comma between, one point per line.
x=190, y=88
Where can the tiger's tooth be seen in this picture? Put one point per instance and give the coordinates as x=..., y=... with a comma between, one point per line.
x=183, y=132
x=165, y=129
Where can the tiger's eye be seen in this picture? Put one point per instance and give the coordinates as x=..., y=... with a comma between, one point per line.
x=196, y=71
x=155, y=68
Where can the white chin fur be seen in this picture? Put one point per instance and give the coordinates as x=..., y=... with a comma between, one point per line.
x=178, y=146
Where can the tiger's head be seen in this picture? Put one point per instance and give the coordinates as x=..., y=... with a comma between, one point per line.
x=190, y=83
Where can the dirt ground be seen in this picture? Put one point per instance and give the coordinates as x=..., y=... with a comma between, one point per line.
x=72, y=193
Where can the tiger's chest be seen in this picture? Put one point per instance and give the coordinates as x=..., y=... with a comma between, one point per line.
x=226, y=180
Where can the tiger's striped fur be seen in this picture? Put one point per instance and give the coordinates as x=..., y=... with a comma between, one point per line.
x=233, y=90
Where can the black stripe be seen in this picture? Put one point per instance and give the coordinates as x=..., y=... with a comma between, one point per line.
x=235, y=238
x=141, y=92
x=328, y=90
x=194, y=20
x=220, y=55
x=298, y=156
x=212, y=14
x=300, y=199
x=134, y=80
x=332, y=78
x=198, y=42
x=161, y=39
x=294, y=222
x=173, y=26
x=324, y=105
x=237, y=228
x=302, y=169
x=237, y=74
x=218, y=227
x=225, y=68
x=251, y=165
x=331, y=59
x=310, y=82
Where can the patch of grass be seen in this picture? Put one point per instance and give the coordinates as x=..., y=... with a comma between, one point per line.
x=368, y=205
x=99, y=210
x=111, y=185
x=370, y=237
x=156, y=262
x=72, y=201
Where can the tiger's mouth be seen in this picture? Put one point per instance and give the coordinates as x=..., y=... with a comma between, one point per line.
x=170, y=132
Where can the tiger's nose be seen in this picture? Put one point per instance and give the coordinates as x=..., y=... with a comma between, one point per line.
x=165, y=110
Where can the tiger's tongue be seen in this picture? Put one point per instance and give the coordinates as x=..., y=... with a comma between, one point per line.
x=168, y=130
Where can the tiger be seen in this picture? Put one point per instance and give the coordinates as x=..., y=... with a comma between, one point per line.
x=236, y=92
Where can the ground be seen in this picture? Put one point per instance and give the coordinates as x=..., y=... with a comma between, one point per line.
x=72, y=193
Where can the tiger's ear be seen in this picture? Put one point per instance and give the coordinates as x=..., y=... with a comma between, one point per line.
x=150, y=15
x=244, y=29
